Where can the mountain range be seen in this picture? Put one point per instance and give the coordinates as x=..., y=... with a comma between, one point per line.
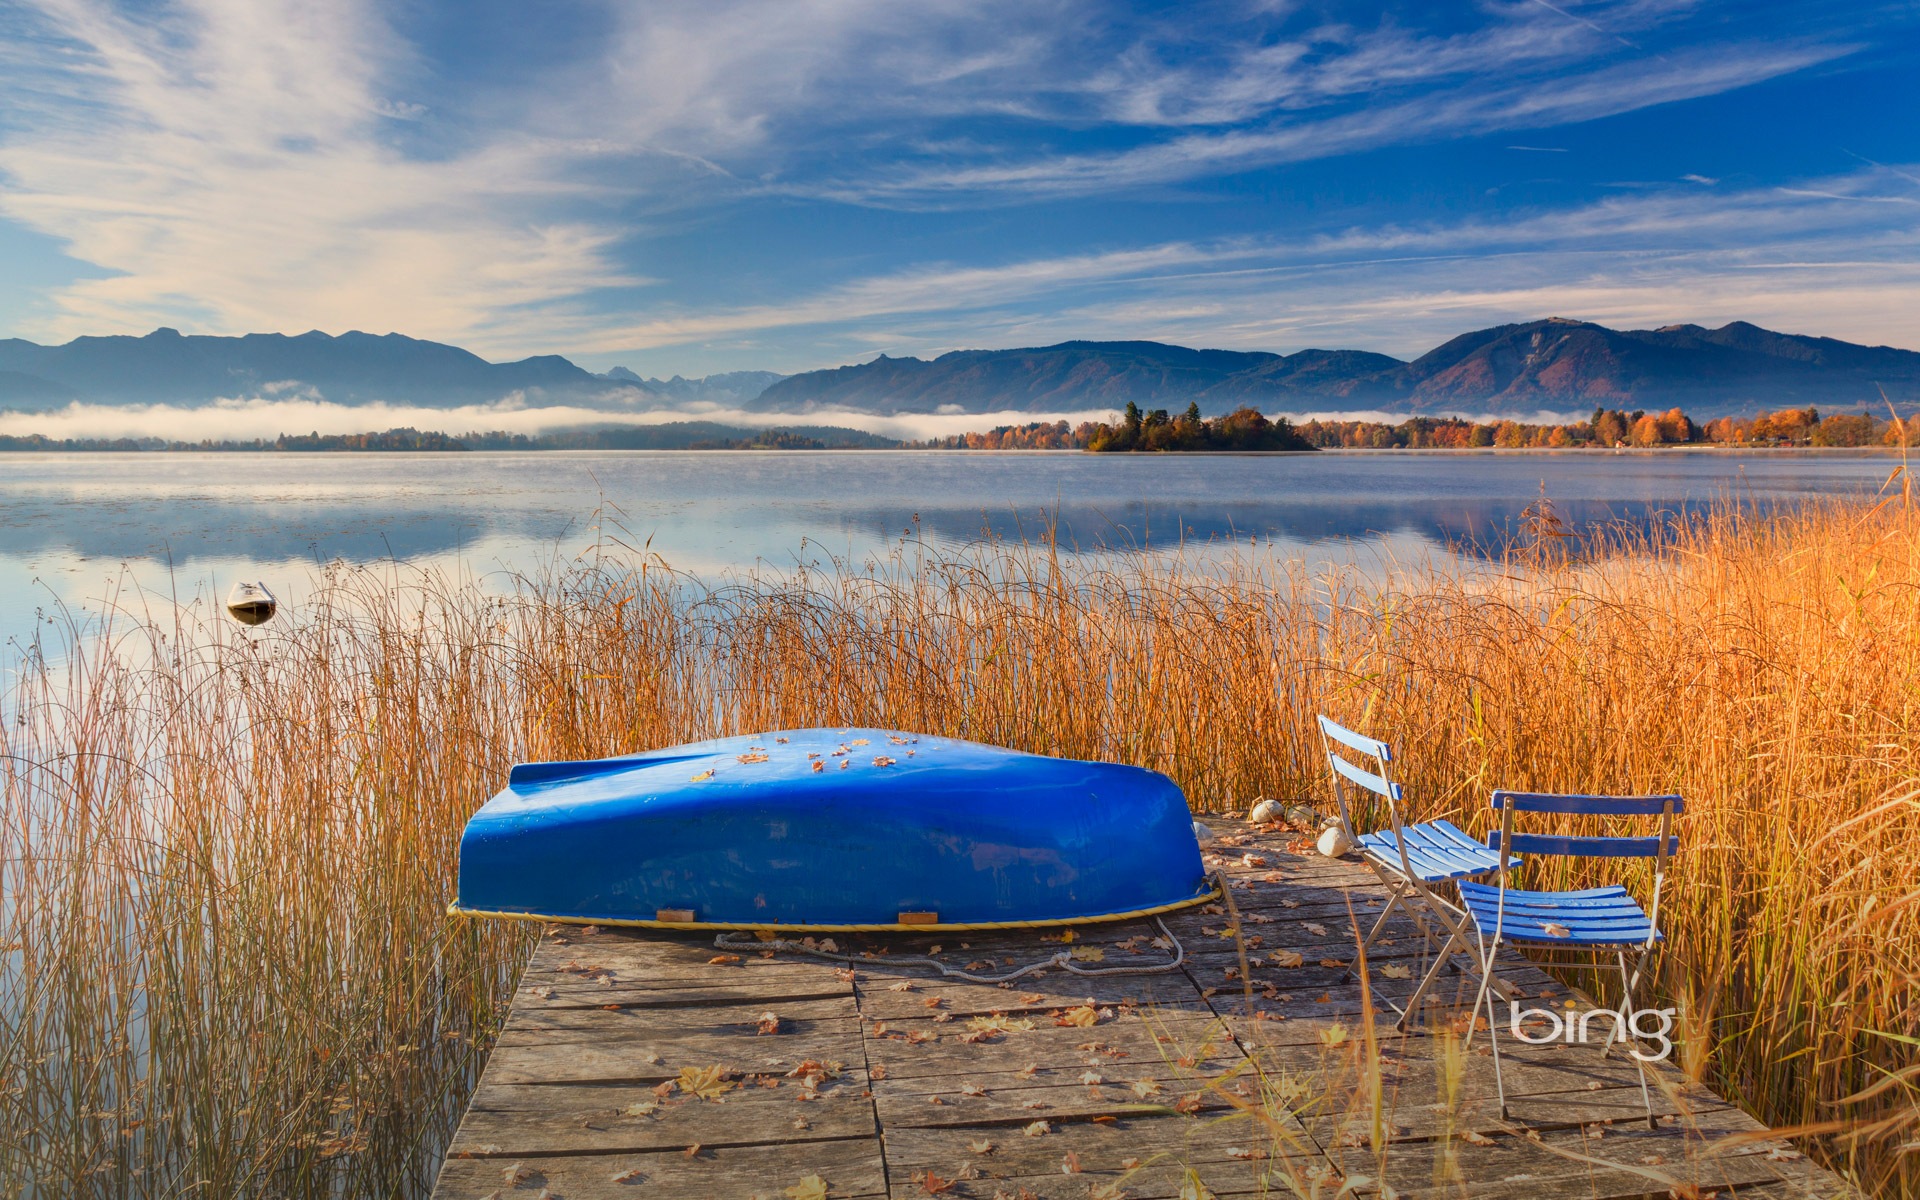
x=1552, y=365
x=1509, y=370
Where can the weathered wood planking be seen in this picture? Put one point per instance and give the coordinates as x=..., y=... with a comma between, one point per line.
x=1232, y=1074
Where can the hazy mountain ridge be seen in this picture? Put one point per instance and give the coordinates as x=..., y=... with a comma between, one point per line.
x=1509, y=369
x=167, y=367
x=732, y=388
x=1521, y=369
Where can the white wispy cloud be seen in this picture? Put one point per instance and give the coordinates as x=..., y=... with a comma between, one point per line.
x=229, y=159
x=1605, y=91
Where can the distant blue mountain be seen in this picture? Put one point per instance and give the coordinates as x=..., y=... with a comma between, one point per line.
x=1553, y=364
x=353, y=368
x=731, y=388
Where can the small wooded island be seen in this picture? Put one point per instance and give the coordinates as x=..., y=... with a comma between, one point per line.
x=1242, y=429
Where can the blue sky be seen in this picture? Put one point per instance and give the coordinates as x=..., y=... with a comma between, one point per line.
x=784, y=185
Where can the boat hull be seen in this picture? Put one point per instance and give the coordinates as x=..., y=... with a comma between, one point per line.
x=831, y=830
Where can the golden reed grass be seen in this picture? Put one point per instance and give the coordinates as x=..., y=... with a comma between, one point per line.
x=225, y=852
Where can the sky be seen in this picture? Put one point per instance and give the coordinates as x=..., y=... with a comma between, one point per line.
x=712, y=186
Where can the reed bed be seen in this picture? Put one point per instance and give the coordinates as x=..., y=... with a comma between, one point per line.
x=226, y=969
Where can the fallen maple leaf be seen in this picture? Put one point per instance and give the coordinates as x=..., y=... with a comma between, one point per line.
x=751, y=758
x=768, y=1023
x=1000, y=1024
x=980, y=1146
x=1395, y=971
x=1286, y=958
x=972, y=1089
x=1070, y=1165
x=881, y=760
x=810, y=1187
x=1145, y=1087
x=1556, y=929
x=706, y=1083
x=517, y=1174
x=819, y=766
x=1316, y=930
x=1084, y=1017
x=1475, y=1138
x=630, y=1175
x=1091, y=1079
x=1246, y=1154
x=1333, y=1035
x=722, y=959
x=1187, y=1104
x=1038, y=1129
x=902, y=986
x=703, y=776
x=1088, y=953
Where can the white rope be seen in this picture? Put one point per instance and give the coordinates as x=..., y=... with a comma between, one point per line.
x=1064, y=960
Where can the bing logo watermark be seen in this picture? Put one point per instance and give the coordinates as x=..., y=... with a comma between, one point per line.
x=1576, y=1027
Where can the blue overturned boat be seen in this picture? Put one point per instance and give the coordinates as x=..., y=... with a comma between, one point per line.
x=828, y=830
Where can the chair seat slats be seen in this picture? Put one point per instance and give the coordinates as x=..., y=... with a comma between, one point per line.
x=1436, y=850
x=1595, y=917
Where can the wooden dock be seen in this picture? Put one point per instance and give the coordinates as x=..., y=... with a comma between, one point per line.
x=642, y=1065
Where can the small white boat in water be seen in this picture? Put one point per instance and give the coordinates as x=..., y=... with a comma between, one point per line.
x=251, y=603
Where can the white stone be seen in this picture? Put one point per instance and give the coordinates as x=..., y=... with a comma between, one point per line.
x=1334, y=841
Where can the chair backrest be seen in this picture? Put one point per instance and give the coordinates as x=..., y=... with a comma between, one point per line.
x=1378, y=780
x=1659, y=846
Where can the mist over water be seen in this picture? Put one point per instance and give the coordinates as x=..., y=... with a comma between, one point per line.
x=76, y=528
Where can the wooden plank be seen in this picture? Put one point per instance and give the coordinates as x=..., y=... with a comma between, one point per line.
x=1147, y=1156
x=742, y=1021
x=1625, y=1162
x=629, y=1120
x=1127, y=1039
x=882, y=997
x=853, y=1168
x=631, y=1061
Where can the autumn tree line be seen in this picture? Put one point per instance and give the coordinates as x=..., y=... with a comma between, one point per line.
x=1241, y=429
x=1246, y=429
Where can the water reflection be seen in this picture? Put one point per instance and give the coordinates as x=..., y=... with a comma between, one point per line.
x=183, y=523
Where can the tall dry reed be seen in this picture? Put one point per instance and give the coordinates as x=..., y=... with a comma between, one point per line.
x=225, y=853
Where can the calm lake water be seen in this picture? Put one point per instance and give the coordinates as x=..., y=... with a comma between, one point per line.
x=70, y=525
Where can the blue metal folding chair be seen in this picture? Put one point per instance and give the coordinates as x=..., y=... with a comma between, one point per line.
x=1412, y=861
x=1599, y=920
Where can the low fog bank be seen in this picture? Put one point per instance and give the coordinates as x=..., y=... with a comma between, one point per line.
x=262, y=418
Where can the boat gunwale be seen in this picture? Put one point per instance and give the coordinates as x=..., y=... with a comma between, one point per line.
x=1214, y=892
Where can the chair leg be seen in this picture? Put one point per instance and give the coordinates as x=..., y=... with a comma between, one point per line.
x=1627, y=980
x=1397, y=892
x=1455, y=937
x=1493, y=1025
